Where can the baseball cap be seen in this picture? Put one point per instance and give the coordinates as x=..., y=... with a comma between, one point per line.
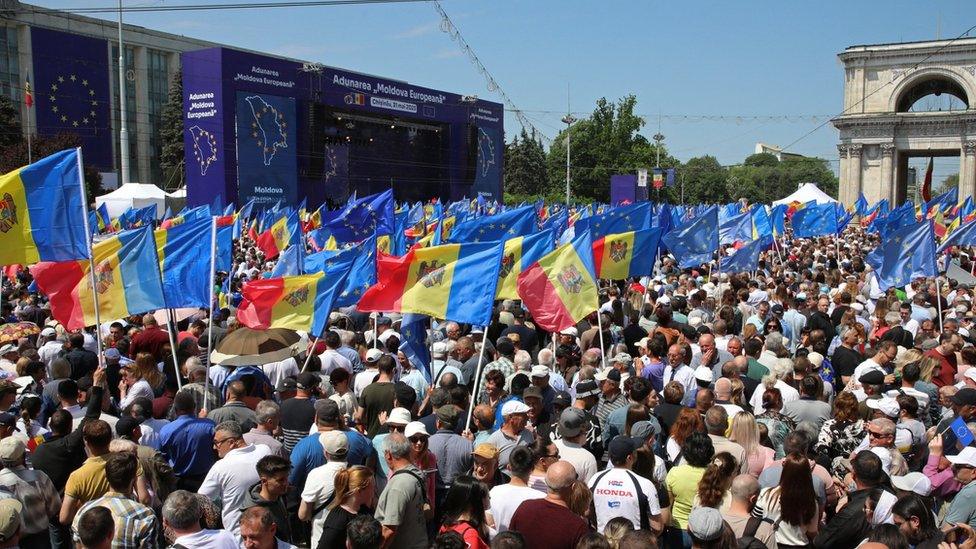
x=112, y=353
x=622, y=446
x=776, y=309
x=514, y=407
x=415, y=428
x=286, y=384
x=703, y=373
x=10, y=510
x=327, y=410
x=562, y=399
x=608, y=375
x=540, y=370
x=125, y=426
x=307, y=381
x=49, y=332
x=486, y=450
x=644, y=430
x=913, y=482
x=622, y=358
x=887, y=405
x=334, y=443
x=448, y=414
x=384, y=321
x=705, y=523
x=964, y=397
x=586, y=388
x=373, y=355
x=7, y=418
x=965, y=457
x=12, y=449
x=8, y=348
x=571, y=422
x=816, y=359
x=399, y=416
x=532, y=392
x=571, y=331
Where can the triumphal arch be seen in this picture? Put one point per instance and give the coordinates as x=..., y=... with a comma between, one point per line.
x=885, y=121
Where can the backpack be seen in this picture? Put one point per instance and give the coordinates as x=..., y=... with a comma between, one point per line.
x=427, y=509
x=642, y=503
x=749, y=539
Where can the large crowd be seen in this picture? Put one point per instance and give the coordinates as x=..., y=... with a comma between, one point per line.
x=797, y=405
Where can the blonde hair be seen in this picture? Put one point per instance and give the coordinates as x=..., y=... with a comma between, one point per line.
x=615, y=529
x=927, y=366
x=145, y=368
x=745, y=431
x=350, y=481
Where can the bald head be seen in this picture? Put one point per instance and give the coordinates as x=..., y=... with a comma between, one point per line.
x=742, y=362
x=723, y=389
x=744, y=487
x=706, y=340
x=560, y=476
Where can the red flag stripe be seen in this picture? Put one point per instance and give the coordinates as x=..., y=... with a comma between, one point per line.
x=598, y=246
x=60, y=282
x=391, y=279
x=540, y=296
x=259, y=300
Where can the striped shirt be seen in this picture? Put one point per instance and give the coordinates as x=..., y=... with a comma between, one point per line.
x=36, y=492
x=135, y=524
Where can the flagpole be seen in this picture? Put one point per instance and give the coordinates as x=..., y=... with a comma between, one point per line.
x=603, y=349
x=211, y=282
x=91, y=260
x=477, y=378
x=311, y=347
x=376, y=328
x=170, y=329
x=938, y=300
x=30, y=156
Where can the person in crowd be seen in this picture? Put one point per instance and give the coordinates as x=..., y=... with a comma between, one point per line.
x=513, y=431
x=713, y=488
x=612, y=494
x=963, y=507
x=682, y=482
x=260, y=531
x=452, y=451
x=354, y=497
x=402, y=508
x=234, y=408
x=319, y=492
x=792, y=504
x=716, y=424
x=738, y=515
x=506, y=498
x=298, y=412
x=852, y=522
x=33, y=489
x=269, y=493
x=233, y=475
x=377, y=397
x=745, y=432
x=181, y=516
x=135, y=524
x=187, y=442
x=464, y=512
x=534, y=517
x=267, y=418
x=96, y=529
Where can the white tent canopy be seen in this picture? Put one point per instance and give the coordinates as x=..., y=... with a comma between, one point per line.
x=806, y=193
x=133, y=195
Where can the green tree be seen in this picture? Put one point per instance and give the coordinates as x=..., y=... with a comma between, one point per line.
x=948, y=183
x=704, y=181
x=171, y=158
x=761, y=178
x=605, y=143
x=14, y=151
x=525, y=166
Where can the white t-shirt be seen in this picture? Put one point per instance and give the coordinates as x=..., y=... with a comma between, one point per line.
x=319, y=485
x=614, y=495
x=277, y=371
x=581, y=458
x=363, y=379
x=789, y=395
x=505, y=499
x=140, y=388
x=229, y=480
x=208, y=539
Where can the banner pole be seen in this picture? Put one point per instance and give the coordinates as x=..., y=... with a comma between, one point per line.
x=210, y=285
x=311, y=347
x=477, y=378
x=603, y=349
x=938, y=299
x=376, y=328
x=170, y=329
x=91, y=261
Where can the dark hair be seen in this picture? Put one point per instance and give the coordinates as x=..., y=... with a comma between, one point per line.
x=120, y=470
x=638, y=539
x=77, y=340
x=521, y=461
x=97, y=433
x=698, y=449
x=496, y=377
x=908, y=404
x=449, y=540
x=772, y=399
x=593, y=540
x=889, y=535
x=520, y=382
x=60, y=422
x=911, y=372
x=68, y=388
x=95, y=526
x=913, y=505
x=811, y=386
x=796, y=442
x=509, y=539
x=338, y=375
x=466, y=496
x=867, y=467
x=385, y=364
x=364, y=532
x=332, y=339
x=269, y=466
x=640, y=388
x=539, y=447
x=798, y=501
x=183, y=403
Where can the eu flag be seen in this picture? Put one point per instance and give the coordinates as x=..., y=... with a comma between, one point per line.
x=364, y=217
x=361, y=259
x=861, y=206
x=815, y=220
x=961, y=431
x=736, y=228
x=502, y=226
x=622, y=219
x=694, y=243
x=965, y=235
x=744, y=260
x=908, y=253
x=413, y=341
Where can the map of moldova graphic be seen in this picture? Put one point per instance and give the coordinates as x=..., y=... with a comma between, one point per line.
x=204, y=148
x=268, y=127
x=486, y=152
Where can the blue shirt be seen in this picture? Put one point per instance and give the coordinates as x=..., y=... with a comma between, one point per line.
x=187, y=442
x=308, y=455
x=353, y=356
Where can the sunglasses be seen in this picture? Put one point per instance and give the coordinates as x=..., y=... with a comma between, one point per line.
x=873, y=434
x=416, y=440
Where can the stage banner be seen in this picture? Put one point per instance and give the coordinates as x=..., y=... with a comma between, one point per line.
x=487, y=178
x=266, y=151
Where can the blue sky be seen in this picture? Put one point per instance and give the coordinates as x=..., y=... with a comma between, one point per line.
x=717, y=58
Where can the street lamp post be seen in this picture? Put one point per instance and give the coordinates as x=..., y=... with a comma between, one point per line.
x=658, y=138
x=568, y=120
x=123, y=130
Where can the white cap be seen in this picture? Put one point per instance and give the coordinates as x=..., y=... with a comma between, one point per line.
x=571, y=331
x=540, y=370
x=373, y=355
x=415, y=428
x=966, y=457
x=887, y=405
x=439, y=349
x=816, y=359
x=703, y=373
x=399, y=416
x=970, y=373
x=663, y=300
x=913, y=482
x=514, y=407
x=48, y=332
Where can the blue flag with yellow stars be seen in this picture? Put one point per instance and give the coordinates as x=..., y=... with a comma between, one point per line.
x=363, y=217
x=965, y=235
x=735, y=228
x=622, y=219
x=694, y=243
x=861, y=205
x=907, y=254
x=413, y=341
x=361, y=258
x=815, y=220
x=744, y=260
x=500, y=226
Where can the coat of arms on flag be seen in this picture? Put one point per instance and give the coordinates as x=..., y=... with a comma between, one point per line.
x=508, y=263
x=298, y=296
x=430, y=274
x=8, y=213
x=571, y=279
x=103, y=276
x=618, y=251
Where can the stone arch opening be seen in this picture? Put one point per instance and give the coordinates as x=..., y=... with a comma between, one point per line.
x=937, y=86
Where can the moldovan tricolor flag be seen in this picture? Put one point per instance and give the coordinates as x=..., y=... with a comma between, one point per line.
x=560, y=289
x=127, y=281
x=520, y=252
x=452, y=282
x=42, y=213
x=283, y=232
x=294, y=302
x=624, y=255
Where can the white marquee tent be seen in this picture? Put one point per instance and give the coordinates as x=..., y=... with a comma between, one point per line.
x=133, y=195
x=806, y=193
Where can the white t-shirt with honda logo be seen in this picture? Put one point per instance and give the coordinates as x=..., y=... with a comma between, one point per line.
x=615, y=495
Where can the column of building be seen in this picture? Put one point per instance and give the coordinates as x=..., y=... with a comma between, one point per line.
x=141, y=82
x=843, y=173
x=888, y=173
x=855, y=170
x=967, y=169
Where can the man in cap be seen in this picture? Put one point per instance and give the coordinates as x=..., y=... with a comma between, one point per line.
x=513, y=431
x=368, y=375
x=440, y=364
x=286, y=388
x=573, y=429
x=538, y=417
x=30, y=487
x=453, y=451
x=308, y=455
x=10, y=520
x=8, y=359
x=540, y=377
x=914, y=482
x=962, y=405
x=963, y=506
x=528, y=340
x=587, y=397
x=611, y=398
x=320, y=483
x=872, y=388
x=705, y=525
x=619, y=492
x=298, y=413
x=50, y=346
x=559, y=403
x=484, y=465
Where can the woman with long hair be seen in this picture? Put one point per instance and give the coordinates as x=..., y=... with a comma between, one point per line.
x=792, y=503
x=544, y=454
x=355, y=494
x=739, y=393
x=581, y=502
x=689, y=421
x=745, y=432
x=139, y=379
x=464, y=511
x=421, y=456
x=635, y=413
x=682, y=481
x=713, y=488
x=842, y=433
x=616, y=529
x=27, y=426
